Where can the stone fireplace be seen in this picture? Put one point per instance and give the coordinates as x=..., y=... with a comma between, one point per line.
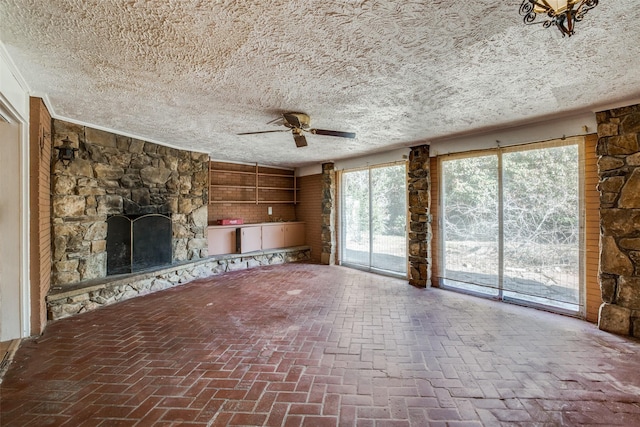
x=120, y=177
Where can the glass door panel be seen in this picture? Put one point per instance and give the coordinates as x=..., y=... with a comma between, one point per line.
x=374, y=218
x=542, y=226
x=355, y=218
x=471, y=224
x=389, y=218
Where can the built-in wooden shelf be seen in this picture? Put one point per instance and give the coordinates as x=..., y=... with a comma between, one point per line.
x=278, y=188
x=276, y=175
x=232, y=186
x=238, y=183
x=271, y=202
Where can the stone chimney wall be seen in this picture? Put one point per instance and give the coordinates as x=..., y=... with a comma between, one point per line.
x=113, y=174
x=619, y=186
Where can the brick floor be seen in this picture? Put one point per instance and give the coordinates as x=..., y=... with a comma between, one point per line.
x=309, y=345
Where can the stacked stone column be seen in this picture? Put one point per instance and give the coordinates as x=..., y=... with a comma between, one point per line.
x=419, y=185
x=328, y=256
x=619, y=186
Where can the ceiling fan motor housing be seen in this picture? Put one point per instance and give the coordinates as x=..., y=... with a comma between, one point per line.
x=296, y=120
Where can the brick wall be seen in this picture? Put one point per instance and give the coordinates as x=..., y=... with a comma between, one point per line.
x=40, y=218
x=309, y=210
x=250, y=213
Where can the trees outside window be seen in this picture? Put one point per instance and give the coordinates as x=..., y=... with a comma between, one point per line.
x=511, y=224
x=374, y=218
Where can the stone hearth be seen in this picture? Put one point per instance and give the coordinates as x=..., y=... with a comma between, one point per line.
x=87, y=296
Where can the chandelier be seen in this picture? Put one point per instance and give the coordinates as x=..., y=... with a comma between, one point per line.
x=561, y=13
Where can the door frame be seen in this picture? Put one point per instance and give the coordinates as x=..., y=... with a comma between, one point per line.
x=13, y=117
x=341, y=204
x=580, y=142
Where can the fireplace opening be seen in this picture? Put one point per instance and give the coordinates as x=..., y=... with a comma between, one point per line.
x=138, y=242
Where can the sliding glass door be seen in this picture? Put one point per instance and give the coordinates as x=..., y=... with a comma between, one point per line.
x=542, y=226
x=511, y=225
x=471, y=251
x=374, y=217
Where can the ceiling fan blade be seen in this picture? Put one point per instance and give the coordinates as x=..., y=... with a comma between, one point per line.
x=300, y=140
x=333, y=133
x=292, y=119
x=264, y=131
x=275, y=120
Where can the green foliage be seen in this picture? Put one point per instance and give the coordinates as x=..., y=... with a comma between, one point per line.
x=540, y=199
x=471, y=198
x=541, y=195
x=388, y=202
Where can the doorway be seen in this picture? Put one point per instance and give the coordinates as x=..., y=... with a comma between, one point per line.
x=12, y=278
x=374, y=219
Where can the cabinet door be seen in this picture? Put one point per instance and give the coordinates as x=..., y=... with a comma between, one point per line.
x=221, y=240
x=272, y=236
x=250, y=239
x=294, y=235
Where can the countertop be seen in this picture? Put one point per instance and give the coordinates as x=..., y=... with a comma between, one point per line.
x=255, y=224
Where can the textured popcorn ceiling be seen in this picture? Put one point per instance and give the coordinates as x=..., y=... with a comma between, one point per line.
x=194, y=73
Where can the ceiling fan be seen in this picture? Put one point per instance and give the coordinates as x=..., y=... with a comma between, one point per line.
x=298, y=123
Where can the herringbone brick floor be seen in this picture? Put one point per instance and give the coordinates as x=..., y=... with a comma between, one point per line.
x=310, y=345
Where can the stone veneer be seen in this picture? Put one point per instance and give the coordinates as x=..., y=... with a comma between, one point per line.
x=95, y=294
x=619, y=186
x=420, y=221
x=328, y=256
x=114, y=174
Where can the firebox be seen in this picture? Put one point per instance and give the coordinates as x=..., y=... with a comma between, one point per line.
x=138, y=242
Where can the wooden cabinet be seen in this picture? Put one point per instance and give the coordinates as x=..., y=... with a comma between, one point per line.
x=222, y=240
x=249, y=239
x=237, y=183
x=294, y=235
x=273, y=236
x=229, y=239
x=282, y=235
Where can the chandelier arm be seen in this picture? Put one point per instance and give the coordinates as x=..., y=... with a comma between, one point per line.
x=570, y=18
x=547, y=6
x=585, y=6
x=527, y=12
